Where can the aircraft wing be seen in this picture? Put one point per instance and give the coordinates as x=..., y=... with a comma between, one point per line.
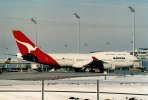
x=104, y=64
x=93, y=61
x=81, y=64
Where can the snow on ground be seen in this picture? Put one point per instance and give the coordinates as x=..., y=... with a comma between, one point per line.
x=122, y=84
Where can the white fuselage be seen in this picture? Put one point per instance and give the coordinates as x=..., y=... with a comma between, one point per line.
x=117, y=59
x=70, y=59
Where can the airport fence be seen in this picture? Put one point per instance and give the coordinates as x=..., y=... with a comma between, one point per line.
x=45, y=88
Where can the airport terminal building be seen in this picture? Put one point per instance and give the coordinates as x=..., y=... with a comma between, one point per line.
x=142, y=54
x=14, y=65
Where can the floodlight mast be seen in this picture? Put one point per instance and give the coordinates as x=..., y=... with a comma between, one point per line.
x=78, y=17
x=133, y=11
x=35, y=23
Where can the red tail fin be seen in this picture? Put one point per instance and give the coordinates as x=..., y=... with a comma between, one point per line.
x=29, y=50
x=24, y=44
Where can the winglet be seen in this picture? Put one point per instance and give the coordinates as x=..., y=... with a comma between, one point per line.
x=8, y=61
x=94, y=58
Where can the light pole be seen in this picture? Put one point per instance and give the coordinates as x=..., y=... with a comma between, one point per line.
x=65, y=47
x=34, y=22
x=7, y=56
x=133, y=11
x=86, y=45
x=78, y=17
x=108, y=44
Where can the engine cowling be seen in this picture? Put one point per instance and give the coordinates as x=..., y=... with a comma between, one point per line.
x=137, y=64
x=34, y=66
x=108, y=66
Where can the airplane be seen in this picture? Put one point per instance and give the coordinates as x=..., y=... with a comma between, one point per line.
x=3, y=63
x=13, y=65
x=35, y=66
x=91, y=61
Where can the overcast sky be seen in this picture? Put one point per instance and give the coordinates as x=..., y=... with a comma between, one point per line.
x=101, y=21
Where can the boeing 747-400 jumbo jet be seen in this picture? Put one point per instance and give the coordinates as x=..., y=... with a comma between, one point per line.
x=100, y=60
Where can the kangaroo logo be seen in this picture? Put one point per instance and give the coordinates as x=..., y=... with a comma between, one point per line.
x=27, y=45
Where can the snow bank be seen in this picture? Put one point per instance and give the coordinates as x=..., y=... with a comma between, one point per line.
x=129, y=84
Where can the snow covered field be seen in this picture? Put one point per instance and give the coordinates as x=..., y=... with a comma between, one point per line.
x=129, y=84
